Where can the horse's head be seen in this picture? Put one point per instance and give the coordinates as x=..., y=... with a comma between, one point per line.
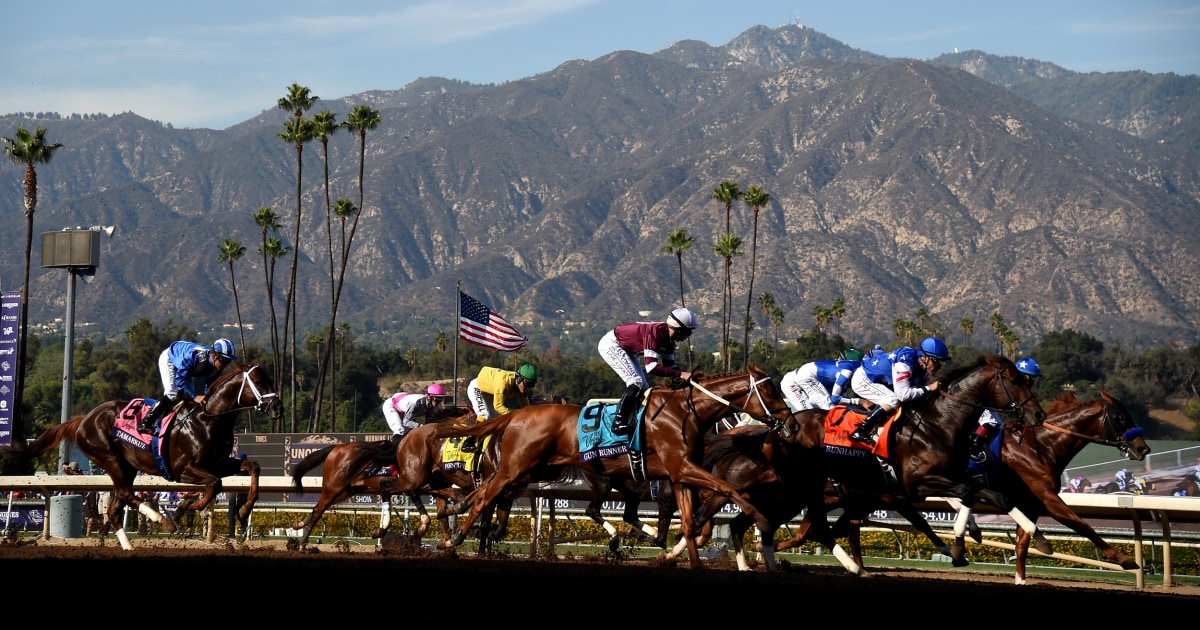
x=752, y=393
x=995, y=383
x=1121, y=430
x=247, y=387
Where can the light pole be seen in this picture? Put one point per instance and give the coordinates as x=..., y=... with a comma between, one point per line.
x=78, y=251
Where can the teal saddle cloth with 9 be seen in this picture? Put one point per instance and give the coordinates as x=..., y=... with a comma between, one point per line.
x=596, y=438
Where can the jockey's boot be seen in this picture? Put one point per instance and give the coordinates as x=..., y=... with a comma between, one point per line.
x=979, y=444
x=468, y=444
x=865, y=431
x=157, y=411
x=626, y=410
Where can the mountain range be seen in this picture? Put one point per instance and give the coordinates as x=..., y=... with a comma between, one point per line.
x=959, y=187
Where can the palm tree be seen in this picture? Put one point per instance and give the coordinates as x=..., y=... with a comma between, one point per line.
x=967, y=326
x=324, y=125
x=727, y=193
x=822, y=316
x=231, y=250
x=297, y=130
x=999, y=328
x=272, y=250
x=266, y=219
x=678, y=242
x=29, y=149
x=838, y=309
x=727, y=247
x=777, y=320
x=441, y=341
x=756, y=198
x=766, y=302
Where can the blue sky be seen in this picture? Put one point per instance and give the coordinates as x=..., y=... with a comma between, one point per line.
x=217, y=63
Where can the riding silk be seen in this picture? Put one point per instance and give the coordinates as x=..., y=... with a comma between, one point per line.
x=596, y=438
x=125, y=429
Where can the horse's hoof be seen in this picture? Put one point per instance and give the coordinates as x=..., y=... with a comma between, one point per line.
x=959, y=562
x=958, y=553
x=458, y=538
x=379, y=533
x=1130, y=565
x=614, y=544
x=1045, y=547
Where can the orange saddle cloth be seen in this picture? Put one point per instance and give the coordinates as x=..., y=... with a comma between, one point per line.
x=841, y=421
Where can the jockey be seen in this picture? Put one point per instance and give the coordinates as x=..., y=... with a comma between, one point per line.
x=178, y=365
x=655, y=341
x=1122, y=479
x=988, y=420
x=402, y=409
x=888, y=379
x=820, y=384
x=500, y=386
x=1077, y=484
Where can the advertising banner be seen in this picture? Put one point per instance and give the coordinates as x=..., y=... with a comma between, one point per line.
x=10, y=318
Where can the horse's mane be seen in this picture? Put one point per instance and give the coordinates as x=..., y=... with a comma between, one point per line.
x=238, y=369
x=1063, y=402
x=959, y=372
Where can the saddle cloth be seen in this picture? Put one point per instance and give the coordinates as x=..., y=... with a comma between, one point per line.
x=842, y=420
x=596, y=439
x=125, y=428
x=454, y=458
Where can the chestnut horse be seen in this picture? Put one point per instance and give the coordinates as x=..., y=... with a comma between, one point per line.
x=353, y=468
x=1033, y=461
x=540, y=440
x=197, y=448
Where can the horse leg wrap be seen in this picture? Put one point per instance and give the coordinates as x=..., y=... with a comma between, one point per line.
x=845, y=559
x=150, y=512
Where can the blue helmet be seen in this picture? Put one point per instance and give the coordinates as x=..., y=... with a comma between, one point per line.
x=936, y=348
x=1029, y=366
x=224, y=347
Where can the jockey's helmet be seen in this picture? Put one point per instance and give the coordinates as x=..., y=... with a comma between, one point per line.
x=935, y=348
x=1029, y=367
x=529, y=373
x=682, y=318
x=224, y=347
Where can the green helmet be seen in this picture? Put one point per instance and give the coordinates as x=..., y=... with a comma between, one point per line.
x=529, y=373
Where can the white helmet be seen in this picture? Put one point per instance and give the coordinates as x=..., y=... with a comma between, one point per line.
x=682, y=318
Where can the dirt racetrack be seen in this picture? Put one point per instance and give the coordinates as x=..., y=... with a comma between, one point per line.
x=421, y=584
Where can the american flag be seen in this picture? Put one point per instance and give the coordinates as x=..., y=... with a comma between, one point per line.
x=482, y=326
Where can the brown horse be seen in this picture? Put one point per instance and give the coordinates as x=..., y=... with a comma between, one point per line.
x=927, y=453
x=354, y=468
x=197, y=446
x=540, y=440
x=1033, y=462
x=632, y=494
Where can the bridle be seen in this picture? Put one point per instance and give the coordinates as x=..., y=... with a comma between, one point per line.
x=261, y=399
x=1014, y=409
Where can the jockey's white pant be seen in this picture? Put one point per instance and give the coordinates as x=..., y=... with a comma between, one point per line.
x=624, y=364
x=166, y=370
x=803, y=390
x=878, y=393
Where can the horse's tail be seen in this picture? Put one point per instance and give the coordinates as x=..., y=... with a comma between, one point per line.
x=311, y=461
x=491, y=427
x=49, y=439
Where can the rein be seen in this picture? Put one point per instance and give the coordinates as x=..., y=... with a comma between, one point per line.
x=767, y=420
x=1121, y=443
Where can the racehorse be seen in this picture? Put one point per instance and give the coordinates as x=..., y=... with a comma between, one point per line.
x=540, y=440
x=1032, y=462
x=927, y=451
x=354, y=468
x=197, y=447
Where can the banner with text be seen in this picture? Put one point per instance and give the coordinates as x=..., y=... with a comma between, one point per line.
x=10, y=318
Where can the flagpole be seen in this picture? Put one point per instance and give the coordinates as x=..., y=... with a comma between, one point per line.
x=457, y=332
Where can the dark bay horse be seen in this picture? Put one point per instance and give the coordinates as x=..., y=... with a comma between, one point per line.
x=540, y=440
x=928, y=447
x=352, y=469
x=632, y=494
x=197, y=447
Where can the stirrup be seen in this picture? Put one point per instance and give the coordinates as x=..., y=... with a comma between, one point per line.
x=978, y=456
x=622, y=428
x=865, y=438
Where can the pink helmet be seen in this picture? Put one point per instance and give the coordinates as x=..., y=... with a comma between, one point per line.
x=435, y=390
